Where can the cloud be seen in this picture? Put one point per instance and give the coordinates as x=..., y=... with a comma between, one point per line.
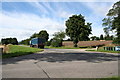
x=23, y=25
x=39, y=7
x=100, y=8
x=64, y=14
x=98, y=13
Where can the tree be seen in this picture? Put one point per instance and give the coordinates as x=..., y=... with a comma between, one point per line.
x=9, y=41
x=43, y=34
x=108, y=37
x=26, y=41
x=101, y=37
x=59, y=35
x=95, y=38
x=112, y=22
x=77, y=30
x=34, y=35
x=56, y=42
x=57, y=39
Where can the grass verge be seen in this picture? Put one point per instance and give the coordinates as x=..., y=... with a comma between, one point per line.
x=15, y=50
x=104, y=51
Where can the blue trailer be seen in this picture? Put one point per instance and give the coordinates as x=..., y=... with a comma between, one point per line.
x=37, y=42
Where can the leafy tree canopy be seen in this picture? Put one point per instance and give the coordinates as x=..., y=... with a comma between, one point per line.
x=9, y=41
x=41, y=34
x=77, y=30
x=59, y=35
x=112, y=22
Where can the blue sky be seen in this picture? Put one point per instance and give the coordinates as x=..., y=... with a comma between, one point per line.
x=22, y=19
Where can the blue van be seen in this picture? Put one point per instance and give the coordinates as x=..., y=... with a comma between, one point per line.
x=37, y=42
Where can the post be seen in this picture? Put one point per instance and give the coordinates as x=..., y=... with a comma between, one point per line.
x=96, y=47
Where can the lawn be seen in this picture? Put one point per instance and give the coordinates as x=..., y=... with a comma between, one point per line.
x=16, y=50
x=102, y=50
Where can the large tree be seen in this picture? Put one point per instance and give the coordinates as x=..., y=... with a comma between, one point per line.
x=112, y=22
x=43, y=34
x=77, y=30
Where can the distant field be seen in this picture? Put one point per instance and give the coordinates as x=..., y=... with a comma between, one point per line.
x=15, y=50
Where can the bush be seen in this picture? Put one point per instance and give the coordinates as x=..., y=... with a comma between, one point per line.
x=48, y=43
x=56, y=43
x=9, y=41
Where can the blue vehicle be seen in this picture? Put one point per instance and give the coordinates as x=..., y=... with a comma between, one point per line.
x=37, y=42
x=117, y=48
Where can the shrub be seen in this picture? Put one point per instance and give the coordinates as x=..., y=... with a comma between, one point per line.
x=56, y=43
x=48, y=43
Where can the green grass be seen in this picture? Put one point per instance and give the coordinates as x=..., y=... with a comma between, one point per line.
x=109, y=51
x=101, y=50
x=15, y=50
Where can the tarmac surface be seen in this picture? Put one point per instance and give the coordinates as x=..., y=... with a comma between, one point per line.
x=61, y=63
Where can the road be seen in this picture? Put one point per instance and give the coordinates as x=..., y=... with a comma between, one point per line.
x=61, y=63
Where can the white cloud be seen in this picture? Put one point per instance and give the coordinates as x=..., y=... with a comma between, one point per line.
x=100, y=8
x=23, y=25
x=99, y=11
x=64, y=14
x=39, y=7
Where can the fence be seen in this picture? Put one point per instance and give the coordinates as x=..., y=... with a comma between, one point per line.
x=110, y=48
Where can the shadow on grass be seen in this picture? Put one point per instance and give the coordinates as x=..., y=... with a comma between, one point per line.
x=61, y=57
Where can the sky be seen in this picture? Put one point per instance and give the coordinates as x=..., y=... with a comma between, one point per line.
x=24, y=18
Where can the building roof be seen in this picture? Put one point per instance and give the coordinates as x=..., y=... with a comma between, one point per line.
x=87, y=43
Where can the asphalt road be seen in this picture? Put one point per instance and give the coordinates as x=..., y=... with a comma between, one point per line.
x=61, y=63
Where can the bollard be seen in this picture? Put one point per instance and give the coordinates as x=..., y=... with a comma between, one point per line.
x=1, y=50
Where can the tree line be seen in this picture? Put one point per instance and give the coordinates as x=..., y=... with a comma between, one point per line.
x=112, y=22
x=9, y=41
x=42, y=34
x=106, y=37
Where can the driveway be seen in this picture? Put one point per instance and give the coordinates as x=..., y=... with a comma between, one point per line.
x=61, y=63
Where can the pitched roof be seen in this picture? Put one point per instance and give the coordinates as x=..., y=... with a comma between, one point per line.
x=87, y=43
